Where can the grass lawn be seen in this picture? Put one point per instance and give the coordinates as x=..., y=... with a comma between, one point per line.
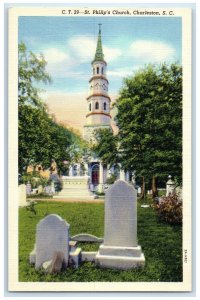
x=161, y=244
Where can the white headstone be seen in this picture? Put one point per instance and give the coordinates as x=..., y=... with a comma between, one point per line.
x=139, y=190
x=170, y=187
x=22, y=195
x=40, y=189
x=52, y=235
x=28, y=188
x=120, y=248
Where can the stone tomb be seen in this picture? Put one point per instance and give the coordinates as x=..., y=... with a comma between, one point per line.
x=120, y=249
x=75, y=187
x=52, y=236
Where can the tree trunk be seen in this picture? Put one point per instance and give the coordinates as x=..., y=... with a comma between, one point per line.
x=154, y=187
x=143, y=188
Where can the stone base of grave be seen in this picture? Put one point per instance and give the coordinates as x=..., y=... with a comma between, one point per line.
x=74, y=187
x=74, y=254
x=123, y=258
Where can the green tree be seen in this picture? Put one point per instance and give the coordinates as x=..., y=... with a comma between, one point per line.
x=150, y=123
x=40, y=137
x=105, y=146
x=31, y=69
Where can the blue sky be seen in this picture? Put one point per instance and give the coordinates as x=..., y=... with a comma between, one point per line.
x=69, y=43
x=128, y=43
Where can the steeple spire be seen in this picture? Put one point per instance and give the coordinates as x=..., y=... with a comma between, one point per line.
x=99, y=51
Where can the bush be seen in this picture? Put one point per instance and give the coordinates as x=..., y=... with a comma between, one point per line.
x=42, y=195
x=35, y=179
x=31, y=207
x=170, y=210
x=111, y=179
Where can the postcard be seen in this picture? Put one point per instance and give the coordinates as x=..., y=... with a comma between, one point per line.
x=99, y=149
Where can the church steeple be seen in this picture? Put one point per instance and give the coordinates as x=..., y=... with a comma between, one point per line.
x=98, y=101
x=99, y=51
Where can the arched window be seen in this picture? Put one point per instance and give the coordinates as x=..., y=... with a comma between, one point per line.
x=97, y=70
x=102, y=70
x=90, y=107
x=97, y=105
x=104, y=106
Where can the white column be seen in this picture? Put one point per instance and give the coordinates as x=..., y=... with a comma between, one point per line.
x=122, y=175
x=127, y=176
x=71, y=171
x=86, y=169
x=108, y=173
x=100, y=188
x=78, y=169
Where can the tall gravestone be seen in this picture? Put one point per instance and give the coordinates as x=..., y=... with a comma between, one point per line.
x=22, y=195
x=52, y=236
x=120, y=248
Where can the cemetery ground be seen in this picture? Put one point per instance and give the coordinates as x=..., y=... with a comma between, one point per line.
x=161, y=244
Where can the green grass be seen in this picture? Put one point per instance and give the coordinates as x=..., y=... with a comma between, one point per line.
x=161, y=244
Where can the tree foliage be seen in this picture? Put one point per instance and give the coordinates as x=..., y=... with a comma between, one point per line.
x=150, y=121
x=40, y=137
x=31, y=69
x=105, y=146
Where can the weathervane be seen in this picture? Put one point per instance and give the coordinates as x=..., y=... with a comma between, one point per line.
x=100, y=27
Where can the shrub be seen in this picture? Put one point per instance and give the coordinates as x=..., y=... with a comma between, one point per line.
x=31, y=207
x=111, y=179
x=170, y=210
x=42, y=195
x=35, y=179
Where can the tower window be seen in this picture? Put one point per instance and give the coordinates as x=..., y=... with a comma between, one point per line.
x=97, y=70
x=104, y=106
x=102, y=70
x=90, y=107
x=97, y=105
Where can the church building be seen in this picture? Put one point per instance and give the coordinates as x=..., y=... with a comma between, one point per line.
x=91, y=173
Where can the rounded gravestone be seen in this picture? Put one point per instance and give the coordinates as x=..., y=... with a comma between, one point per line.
x=52, y=235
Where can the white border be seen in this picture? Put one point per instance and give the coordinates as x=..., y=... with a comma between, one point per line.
x=13, y=205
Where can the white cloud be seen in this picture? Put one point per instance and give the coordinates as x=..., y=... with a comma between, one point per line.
x=124, y=72
x=61, y=63
x=55, y=55
x=111, y=53
x=121, y=72
x=84, y=49
x=58, y=62
x=151, y=51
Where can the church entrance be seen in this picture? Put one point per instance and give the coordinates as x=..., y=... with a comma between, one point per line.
x=95, y=174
